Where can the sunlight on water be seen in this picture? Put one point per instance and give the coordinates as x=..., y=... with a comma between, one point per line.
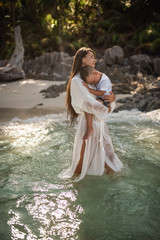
x=35, y=204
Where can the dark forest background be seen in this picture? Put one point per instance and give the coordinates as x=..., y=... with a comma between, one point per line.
x=67, y=25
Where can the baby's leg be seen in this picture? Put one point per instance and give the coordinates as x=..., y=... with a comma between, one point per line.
x=89, y=131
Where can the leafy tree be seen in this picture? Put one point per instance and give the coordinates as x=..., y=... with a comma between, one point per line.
x=49, y=25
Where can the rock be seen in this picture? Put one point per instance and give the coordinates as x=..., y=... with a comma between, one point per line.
x=141, y=63
x=101, y=66
x=146, y=96
x=145, y=101
x=56, y=76
x=114, y=55
x=43, y=75
x=156, y=64
x=52, y=66
x=54, y=90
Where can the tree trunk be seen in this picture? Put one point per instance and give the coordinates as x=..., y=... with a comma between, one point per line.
x=13, y=70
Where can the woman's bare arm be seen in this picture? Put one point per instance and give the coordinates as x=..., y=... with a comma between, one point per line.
x=110, y=98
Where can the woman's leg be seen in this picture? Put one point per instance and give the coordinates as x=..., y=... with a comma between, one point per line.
x=110, y=154
x=89, y=131
x=79, y=166
x=109, y=170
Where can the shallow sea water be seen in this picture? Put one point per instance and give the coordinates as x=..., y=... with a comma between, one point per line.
x=36, y=204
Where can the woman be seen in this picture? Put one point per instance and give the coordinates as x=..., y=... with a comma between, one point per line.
x=94, y=155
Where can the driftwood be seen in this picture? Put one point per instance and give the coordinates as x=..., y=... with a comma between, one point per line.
x=13, y=70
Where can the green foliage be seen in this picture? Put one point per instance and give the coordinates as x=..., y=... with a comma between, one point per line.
x=156, y=46
x=78, y=44
x=115, y=37
x=149, y=34
x=57, y=40
x=33, y=49
x=69, y=48
x=149, y=39
x=68, y=36
x=144, y=48
x=8, y=50
x=45, y=42
x=50, y=25
x=104, y=24
x=100, y=40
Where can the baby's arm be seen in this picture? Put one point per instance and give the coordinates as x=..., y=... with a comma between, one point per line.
x=93, y=91
x=100, y=93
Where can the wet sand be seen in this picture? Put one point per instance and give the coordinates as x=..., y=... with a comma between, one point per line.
x=7, y=114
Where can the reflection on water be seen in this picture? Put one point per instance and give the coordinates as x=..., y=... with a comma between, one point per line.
x=35, y=204
x=53, y=214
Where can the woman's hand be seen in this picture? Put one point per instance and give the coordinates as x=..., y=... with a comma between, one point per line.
x=110, y=98
x=85, y=84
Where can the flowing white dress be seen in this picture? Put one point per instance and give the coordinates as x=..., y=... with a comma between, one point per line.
x=99, y=149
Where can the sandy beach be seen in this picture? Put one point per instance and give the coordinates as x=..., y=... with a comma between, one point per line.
x=22, y=99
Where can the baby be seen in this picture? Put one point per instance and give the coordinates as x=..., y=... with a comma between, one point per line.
x=103, y=87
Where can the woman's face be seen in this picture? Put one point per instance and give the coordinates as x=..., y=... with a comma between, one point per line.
x=89, y=60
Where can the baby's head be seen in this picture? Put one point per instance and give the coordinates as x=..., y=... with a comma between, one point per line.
x=89, y=75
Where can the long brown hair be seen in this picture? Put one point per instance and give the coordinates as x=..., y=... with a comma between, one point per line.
x=76, y=66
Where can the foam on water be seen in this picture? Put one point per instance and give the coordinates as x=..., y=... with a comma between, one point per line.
x=135, y=115
x=128, y=116
x=49, y=117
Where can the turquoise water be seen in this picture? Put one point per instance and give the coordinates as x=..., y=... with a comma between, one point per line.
x=35, y=204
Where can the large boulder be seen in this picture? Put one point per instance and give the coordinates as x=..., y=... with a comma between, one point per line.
x=156, y=63
x=53, y=66
x=141, y=63
x=101, y=66
x=114, y=55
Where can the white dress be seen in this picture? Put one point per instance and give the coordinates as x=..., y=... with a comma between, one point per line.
x=99, y=148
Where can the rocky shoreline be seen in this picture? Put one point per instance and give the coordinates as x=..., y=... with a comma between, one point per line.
x=138, y=75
